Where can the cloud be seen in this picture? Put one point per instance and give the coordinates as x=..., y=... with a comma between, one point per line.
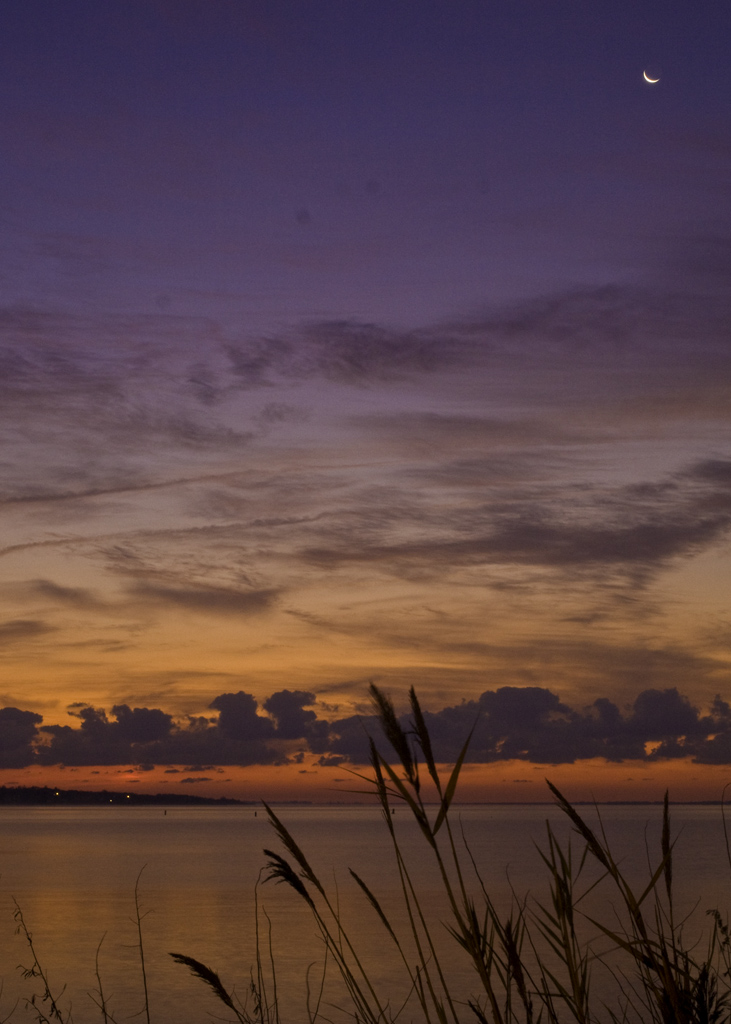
x=150, y=736
x=116, y=487
x=141, y=725
x=713, y=471
x=451, y=471
x=661, y=714
x=100, y=380
x=287, y=709
x=83, y=420
x=646, y=543
x=330, y=761
x=612, y=329
x=527, y=723
x=127, y=739
x=610, y=332
x=533, y=725
x=534, y=542
x=95, y=405
x=238, y=719
x=344, y=352
x=207, y=599
x=54, y=593
x=436, y=428
x=17, y=630
x=630, y=527
x=17, y=734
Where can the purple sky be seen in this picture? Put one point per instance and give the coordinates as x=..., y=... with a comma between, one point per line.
x=353, y=341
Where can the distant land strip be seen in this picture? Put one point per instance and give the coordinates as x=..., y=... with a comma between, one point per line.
x=47, y=795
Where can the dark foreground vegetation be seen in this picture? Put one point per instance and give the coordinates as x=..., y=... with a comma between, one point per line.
x=534, y=963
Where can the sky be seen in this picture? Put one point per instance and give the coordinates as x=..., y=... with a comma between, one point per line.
x=352, y=343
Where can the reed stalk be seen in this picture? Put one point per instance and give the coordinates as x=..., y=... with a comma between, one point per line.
x=535, y=964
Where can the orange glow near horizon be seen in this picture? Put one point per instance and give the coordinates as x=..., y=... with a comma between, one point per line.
x=499, y=782
x=309, y=382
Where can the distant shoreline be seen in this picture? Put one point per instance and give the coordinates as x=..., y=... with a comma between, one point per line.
x=47, y=796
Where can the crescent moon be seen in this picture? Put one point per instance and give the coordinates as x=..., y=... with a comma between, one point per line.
x=647, y=78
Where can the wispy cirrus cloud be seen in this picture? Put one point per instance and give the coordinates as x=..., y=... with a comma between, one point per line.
x=15, y=631
x=53, y=593
x=206, y=599
x=566, y=454
x=631, y=527
x=612, y=333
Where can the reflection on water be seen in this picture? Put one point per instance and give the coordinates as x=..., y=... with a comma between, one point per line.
x=73, y=873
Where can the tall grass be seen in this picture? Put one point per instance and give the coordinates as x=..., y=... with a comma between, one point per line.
x=535, y=963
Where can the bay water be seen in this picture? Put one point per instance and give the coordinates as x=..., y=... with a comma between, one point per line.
x=72, y=873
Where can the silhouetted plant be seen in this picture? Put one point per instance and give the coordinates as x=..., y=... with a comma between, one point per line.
x=45, y=1006
x=533, y=964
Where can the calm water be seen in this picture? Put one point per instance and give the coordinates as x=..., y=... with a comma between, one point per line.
x=73, y=873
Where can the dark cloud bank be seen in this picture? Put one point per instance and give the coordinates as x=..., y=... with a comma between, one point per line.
x=524, y=723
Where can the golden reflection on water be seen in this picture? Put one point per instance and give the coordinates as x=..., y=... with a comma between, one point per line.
x=73, y=872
